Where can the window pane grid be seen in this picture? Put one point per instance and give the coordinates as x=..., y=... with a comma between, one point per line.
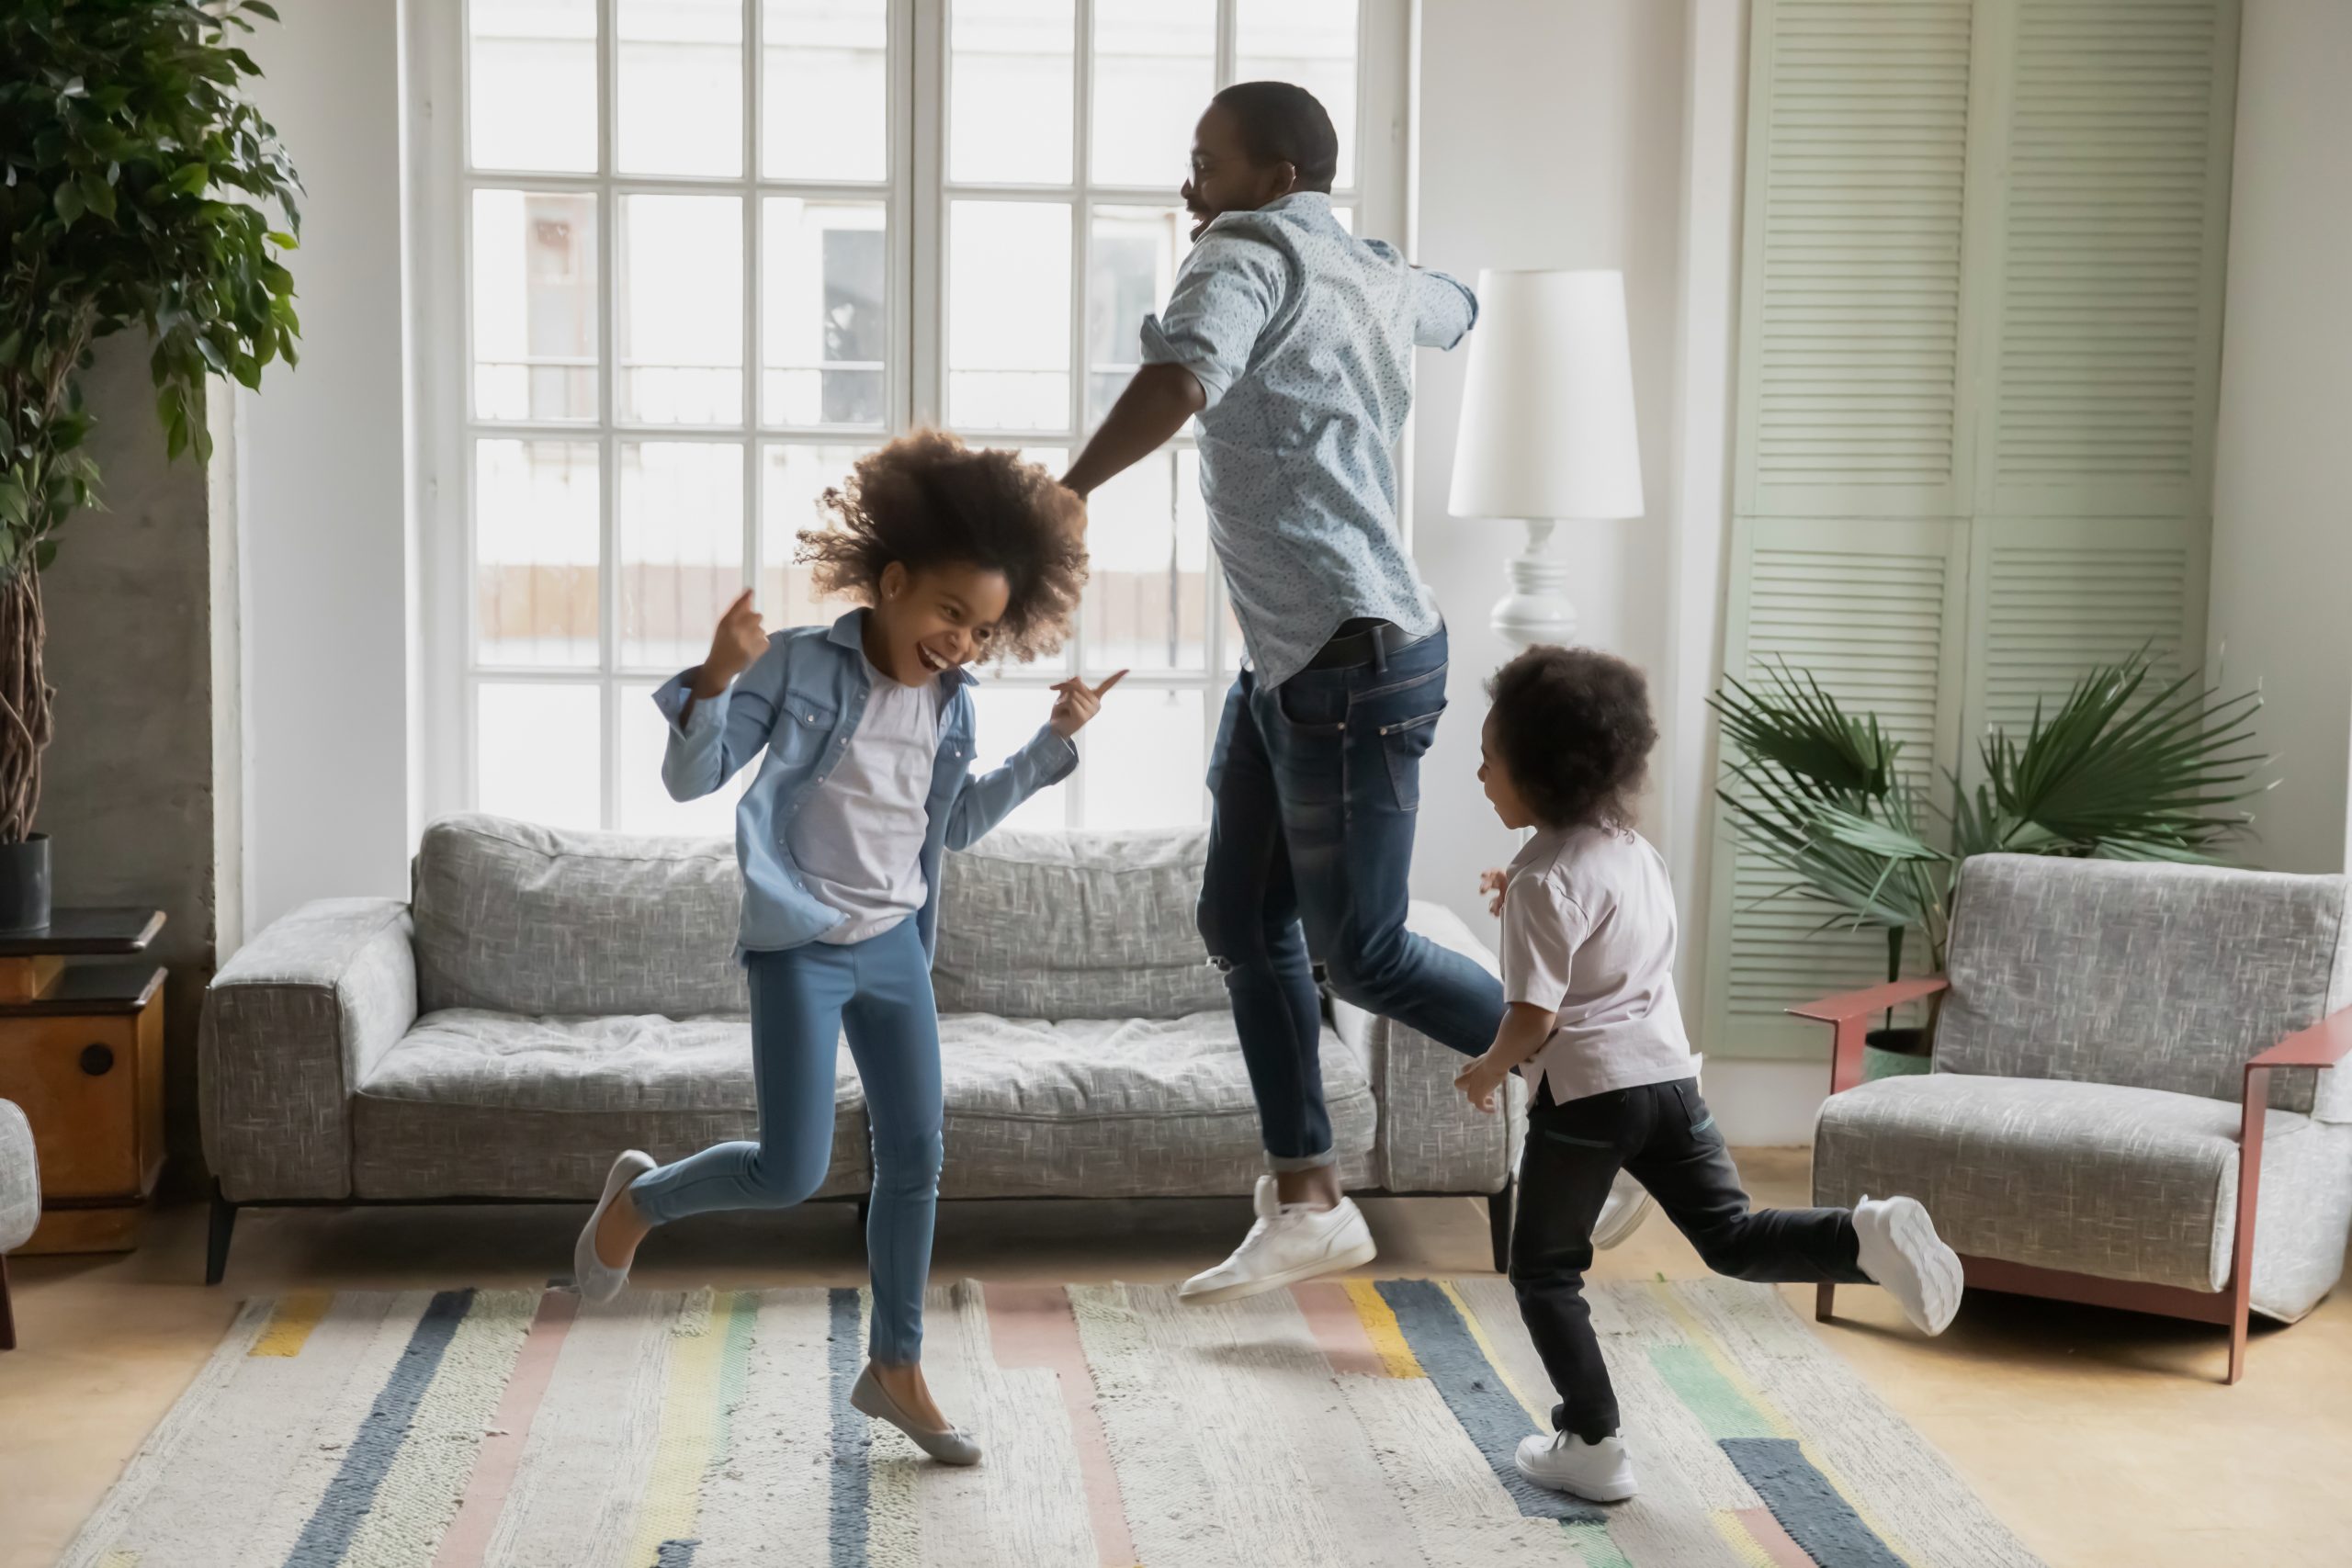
x=642, y=397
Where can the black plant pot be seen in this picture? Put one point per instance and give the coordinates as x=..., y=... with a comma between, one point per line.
x=23, y=885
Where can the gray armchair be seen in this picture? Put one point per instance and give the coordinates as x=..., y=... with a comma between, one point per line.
x=2111, y=1118
x=19, y=1202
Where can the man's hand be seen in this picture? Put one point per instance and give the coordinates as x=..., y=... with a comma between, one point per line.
x=1493, y=884
x=735, y=647
x=1077, y=703
x=1482, y=1080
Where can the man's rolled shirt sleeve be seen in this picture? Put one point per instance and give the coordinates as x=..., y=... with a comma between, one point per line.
x=1229, y=288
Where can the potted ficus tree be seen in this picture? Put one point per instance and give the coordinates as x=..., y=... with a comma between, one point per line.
x=2127, y=766
x=142, y=191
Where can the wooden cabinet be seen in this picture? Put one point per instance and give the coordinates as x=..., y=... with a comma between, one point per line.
x=81, y=1051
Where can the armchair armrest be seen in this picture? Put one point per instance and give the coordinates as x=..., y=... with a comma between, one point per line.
x=292, y=1025
x=2323, y=1046
x=1431, y=1140
x=1849, y=1014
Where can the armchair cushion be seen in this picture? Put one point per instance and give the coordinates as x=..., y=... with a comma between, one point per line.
x=2154, y=977
x=2122, y=1182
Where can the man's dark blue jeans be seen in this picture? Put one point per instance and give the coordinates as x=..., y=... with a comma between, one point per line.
x=1315, y=786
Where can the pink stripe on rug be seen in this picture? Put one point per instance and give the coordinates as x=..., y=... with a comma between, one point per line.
x=1032, y=1325
x=1338, y=1328
x=1766, y=1531
x=468, y=1537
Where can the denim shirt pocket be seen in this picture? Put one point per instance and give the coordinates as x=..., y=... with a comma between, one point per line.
x=805, y=722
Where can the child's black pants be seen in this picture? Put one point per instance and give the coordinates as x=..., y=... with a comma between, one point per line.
x=1663, y=1136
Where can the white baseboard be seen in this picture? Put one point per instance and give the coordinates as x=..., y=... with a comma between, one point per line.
x=1762, y=1105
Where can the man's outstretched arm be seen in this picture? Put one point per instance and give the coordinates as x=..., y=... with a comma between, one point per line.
x=1151, y=410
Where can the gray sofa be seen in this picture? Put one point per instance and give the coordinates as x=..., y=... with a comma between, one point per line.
x=546, y=998
x=2125, y=1108
x=19, y=1202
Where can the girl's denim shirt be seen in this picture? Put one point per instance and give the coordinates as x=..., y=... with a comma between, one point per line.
x=802, y=702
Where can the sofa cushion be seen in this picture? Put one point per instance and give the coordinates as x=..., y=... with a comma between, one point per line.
x=2094, y=1178
x=1122, y=1108
x=515, y=918
x=2157, y=975
x=1076, y=926
x=477, y=1103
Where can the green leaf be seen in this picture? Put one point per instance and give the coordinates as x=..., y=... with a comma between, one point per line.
x=68, y=201
x=260, y=8
x=97, y=194
x=191, y=179
x=44, y=553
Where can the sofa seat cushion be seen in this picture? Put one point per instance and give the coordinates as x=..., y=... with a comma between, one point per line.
x=1122, y=1108
x=471, y=1102
x=2106, y=1179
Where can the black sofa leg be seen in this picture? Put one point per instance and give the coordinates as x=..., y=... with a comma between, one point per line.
x=7, y=1313
x=1498, y=1224
x=864, y=1209
x=216, y=1240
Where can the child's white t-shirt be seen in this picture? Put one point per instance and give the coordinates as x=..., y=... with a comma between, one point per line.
x=857, y=839
x=1589, y=933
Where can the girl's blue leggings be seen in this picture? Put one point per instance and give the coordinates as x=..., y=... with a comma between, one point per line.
x=803, y=999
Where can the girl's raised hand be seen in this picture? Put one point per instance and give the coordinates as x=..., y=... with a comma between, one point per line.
x=1077, y=703
x=736, y=646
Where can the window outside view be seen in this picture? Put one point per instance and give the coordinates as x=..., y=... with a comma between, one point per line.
x=681, y=332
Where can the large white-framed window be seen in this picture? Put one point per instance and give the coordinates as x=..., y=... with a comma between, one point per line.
x=680, y=262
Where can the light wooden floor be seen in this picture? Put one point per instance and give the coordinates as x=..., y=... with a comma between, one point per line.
x=2103, y=1439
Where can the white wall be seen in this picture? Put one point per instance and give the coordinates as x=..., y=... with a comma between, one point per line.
x=1598, y=133
x=322, y=486
x=2282, y=502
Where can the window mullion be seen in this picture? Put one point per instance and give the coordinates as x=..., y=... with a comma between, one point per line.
x=1226, y=53
x=609, y=335
x=754, y=286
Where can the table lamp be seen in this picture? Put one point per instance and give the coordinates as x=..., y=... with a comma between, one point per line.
x=1547, y=428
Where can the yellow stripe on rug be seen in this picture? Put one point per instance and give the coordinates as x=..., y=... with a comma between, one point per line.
x=705, y=1337
x=290, y=1323
x=1540, y=1414
x=1380, y=1326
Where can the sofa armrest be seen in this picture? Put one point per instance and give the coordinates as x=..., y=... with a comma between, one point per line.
x=19, y=1178
x=1431, y=1140
x=1849, y=1014
x=292, y=1025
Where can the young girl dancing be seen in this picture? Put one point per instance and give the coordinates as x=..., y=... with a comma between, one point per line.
x=1589, y=970
x=867, y=728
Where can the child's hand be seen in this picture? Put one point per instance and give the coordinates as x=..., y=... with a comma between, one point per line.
x=1492, y=884
x=735, y=647
x=1481, y=1079
x=1077, y=703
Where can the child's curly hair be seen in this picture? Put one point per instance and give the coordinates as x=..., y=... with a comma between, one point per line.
x=928, y=499
x=1574, y=727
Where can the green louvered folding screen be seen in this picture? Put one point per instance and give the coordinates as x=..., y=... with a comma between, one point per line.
x=1979, y=333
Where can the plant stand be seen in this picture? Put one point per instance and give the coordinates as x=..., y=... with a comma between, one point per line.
x=81, y=1051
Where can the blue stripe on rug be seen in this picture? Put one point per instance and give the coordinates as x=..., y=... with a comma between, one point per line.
x=1490, y=1413
x=326, y=1535
x=853, y=1440
x=675, y=1553
x=1816, y=1517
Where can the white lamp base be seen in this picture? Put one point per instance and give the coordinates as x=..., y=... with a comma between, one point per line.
x=1537, y=608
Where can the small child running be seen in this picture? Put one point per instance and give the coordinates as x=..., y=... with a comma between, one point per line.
x=867, y=730
x=1588, y=946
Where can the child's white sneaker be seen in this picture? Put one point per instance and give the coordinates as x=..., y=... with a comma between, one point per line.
x=1897, y=1246
x=1599, y=1472
x=1289, y=1243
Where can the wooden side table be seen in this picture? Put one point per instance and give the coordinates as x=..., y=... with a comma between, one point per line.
x=81, y=1051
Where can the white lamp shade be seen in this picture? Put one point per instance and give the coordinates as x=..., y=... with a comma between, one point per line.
x=1547, y=416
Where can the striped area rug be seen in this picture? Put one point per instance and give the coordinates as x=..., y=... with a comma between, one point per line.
x=1359, y=1423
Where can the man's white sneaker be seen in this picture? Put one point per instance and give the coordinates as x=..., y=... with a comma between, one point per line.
x=1289, y=1243
x=1599, y=1472
x=1898, y=1247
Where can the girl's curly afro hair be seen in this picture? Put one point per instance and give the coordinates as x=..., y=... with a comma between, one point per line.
x=928, y=499
x=1574, y=727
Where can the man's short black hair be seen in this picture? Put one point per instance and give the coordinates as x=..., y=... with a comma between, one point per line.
x=1283, y=123
x=1575, y=731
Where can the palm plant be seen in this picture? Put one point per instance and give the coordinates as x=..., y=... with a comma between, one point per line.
x=2127, y=766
